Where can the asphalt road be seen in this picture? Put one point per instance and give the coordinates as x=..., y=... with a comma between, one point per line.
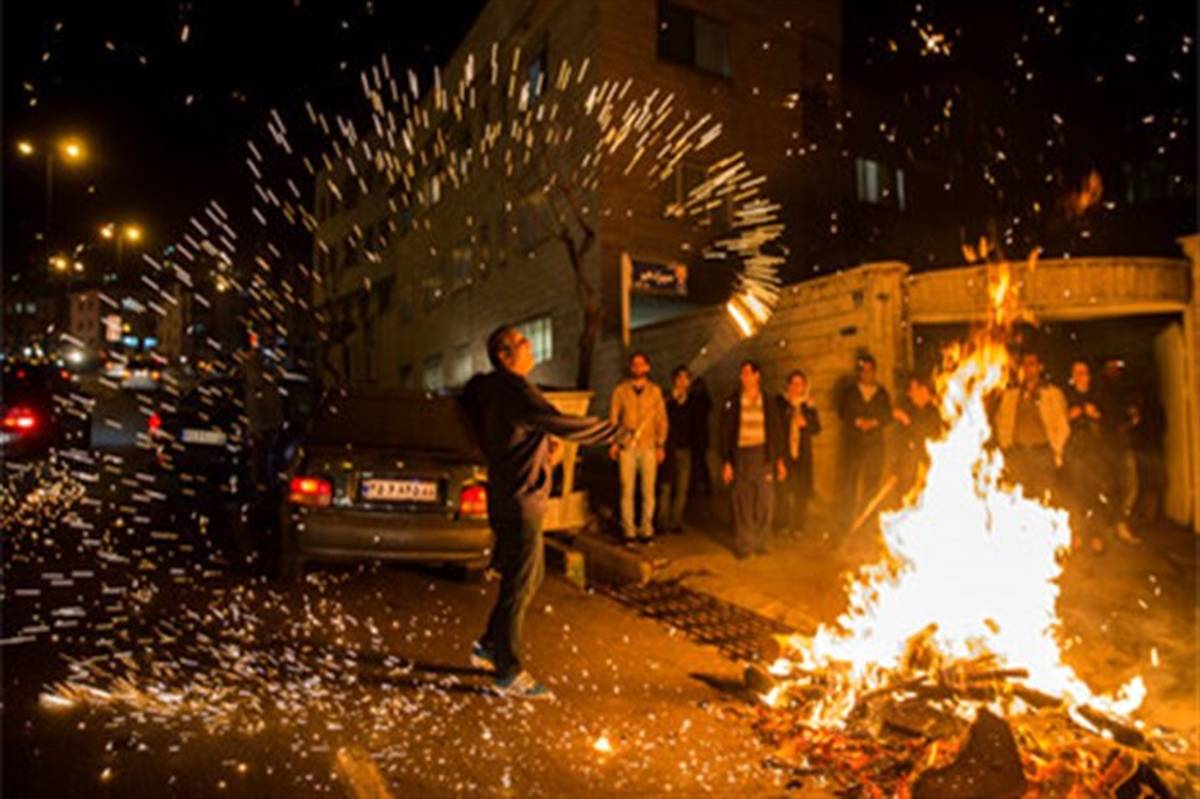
x=136, y=664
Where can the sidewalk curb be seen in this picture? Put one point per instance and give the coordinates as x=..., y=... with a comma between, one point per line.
x=585, y=559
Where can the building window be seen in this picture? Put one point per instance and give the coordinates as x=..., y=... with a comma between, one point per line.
x=692, y=39
x=462, y=366
x=879, y=184
x=432, y=375
x=535, y=75
x=540, y=332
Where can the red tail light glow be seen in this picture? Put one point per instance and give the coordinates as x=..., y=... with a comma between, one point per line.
x=20, y=420
x=315, y=492
x=154, y=422
x=472, y=502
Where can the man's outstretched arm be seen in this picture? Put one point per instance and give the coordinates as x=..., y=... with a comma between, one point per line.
x=539, y=414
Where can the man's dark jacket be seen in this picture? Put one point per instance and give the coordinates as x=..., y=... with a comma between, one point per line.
x=853, y=406
x=731, y=421
x=512, y=422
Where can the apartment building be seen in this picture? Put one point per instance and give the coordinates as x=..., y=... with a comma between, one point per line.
x=411, y=291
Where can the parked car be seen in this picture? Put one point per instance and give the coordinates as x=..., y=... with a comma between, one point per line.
x=142, y=374
x=202, y=437
x=34, y=410
x=386, y=475
x=200, y=434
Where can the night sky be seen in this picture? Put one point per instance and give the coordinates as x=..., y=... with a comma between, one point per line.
x=166, y=120
x=166, y=95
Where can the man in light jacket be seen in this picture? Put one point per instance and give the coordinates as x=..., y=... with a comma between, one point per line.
x=637, y=406
x=1032, y=429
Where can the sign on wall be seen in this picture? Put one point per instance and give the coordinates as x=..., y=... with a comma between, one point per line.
x=650, y=277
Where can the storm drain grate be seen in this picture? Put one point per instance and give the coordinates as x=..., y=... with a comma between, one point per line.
x=739, y=634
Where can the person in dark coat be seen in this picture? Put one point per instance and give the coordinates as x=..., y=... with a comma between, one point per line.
x=675, y=472
x=752, y=459
x=513, y=423
x=700, y=406
x=800, y=423
x=865, y=409
x=920, y=422
x=1087, y=456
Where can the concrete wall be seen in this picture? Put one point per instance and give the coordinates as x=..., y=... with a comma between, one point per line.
x=1076, y=288
x=1191, y=323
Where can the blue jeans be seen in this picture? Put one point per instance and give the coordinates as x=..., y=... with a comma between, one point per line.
x=637, y=467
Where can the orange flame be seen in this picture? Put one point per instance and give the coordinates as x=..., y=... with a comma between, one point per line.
x=971, y=565
x=1078, y=202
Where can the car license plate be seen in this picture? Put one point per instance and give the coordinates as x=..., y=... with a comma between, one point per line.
x=374, y=490
x=211, y=438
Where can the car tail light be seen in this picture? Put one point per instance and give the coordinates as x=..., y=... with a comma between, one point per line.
x=154, y=422
x=314, y=492
x=21, y=420
x=472, y=502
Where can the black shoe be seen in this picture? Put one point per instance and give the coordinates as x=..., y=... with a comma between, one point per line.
x=646, y=539
x=741, y=554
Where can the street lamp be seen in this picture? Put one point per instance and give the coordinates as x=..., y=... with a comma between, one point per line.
x=70, y=150
x=129, y=232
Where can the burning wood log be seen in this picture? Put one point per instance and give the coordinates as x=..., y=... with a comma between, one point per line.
x=988, y=765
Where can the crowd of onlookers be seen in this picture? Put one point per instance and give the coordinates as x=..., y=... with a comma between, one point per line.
x=1083, y=448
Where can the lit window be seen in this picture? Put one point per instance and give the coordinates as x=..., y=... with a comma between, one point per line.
x=433, y=378
x=536, y=76
x=540, y=332
x=879, y=184
x=462, y=365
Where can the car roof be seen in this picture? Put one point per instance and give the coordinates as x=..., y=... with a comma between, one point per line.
x=395, y=419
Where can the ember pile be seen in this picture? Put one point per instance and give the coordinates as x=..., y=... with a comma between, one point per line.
x=945, y=676
x=964, y=729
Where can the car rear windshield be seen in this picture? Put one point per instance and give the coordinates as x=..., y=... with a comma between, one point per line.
x=420, y=422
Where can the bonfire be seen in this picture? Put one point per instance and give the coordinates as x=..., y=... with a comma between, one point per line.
x=951, y=641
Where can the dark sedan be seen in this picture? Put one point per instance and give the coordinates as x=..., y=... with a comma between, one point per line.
x=37, y=411
x=391, y=476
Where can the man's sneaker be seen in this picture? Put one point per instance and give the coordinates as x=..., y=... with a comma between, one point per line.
x=522, y=686
x=482, y=658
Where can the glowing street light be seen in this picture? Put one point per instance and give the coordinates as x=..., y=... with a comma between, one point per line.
x=72, y=150
x=59, y=263
x=129, y=232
